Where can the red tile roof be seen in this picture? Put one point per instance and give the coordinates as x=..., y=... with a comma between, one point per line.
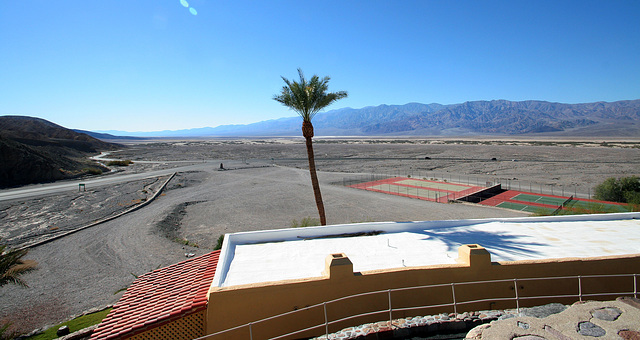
x=161, y=296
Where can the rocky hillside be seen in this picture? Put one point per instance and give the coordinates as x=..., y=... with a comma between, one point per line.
x=34, y=150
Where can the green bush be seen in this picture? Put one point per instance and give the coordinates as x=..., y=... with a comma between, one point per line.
x=306, y=222
x=622, y=190
x=219, y=243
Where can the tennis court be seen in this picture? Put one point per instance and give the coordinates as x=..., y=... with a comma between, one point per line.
x=597, y=205
x=443, y=192
x=533, y=198
x=408, y=191
x=434, y=185
x=545, y=204
x=528, y=208
x=419, y=188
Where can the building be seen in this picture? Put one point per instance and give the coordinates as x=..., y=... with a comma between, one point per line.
x=257, y=275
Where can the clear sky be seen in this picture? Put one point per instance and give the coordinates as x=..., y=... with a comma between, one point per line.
x=148, y=65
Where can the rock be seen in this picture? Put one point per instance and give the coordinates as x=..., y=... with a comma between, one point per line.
x=586, y=328
x=529, y=337
x=62, y=331
x=523, y=325
x=462, y=316
x=629, y=335
x=543, y=311
x=506, y=316
x=606, y=314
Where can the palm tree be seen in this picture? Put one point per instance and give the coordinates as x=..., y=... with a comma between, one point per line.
x=12, y=266
x=307, y=98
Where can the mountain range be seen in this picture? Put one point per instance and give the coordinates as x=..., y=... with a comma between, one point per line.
x=496, y=117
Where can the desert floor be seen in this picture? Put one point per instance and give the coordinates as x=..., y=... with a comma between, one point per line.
x=265, y=186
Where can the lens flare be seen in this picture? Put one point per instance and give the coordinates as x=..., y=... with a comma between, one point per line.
x=184, y=3
x=193, y=11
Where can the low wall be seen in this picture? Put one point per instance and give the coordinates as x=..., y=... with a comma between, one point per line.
x=233, y=306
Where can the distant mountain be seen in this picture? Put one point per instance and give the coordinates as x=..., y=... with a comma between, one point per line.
x=34, y=150
x=496, y=117
x=106, y=136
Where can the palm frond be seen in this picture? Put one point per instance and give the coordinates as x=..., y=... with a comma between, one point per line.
x=12, y=266
x=307, y=96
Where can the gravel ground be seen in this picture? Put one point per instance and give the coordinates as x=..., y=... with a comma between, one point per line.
x=29, y=221
x=89, y=268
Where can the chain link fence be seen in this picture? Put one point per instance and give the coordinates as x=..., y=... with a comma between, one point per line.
x=479, y=181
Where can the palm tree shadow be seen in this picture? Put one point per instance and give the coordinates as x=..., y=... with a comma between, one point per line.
x=509, y=246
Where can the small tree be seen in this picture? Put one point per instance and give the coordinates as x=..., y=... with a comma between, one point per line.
x=622, y=190
x=307, y=97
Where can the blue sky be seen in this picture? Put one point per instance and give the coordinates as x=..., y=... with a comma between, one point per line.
x=149, y=65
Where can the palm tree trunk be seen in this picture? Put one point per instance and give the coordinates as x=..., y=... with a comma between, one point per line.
x=307, y=132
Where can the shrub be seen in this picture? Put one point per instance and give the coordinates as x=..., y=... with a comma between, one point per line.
x=92, y=171
x=219, y=243
x=305, y=222
x=125, y=162
x=622, y=190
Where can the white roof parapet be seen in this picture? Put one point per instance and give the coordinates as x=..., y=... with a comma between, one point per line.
x=273, y=255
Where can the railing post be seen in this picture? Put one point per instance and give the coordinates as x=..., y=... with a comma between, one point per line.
x=453, y=293
x=635, y=286
x=390, y=309
x=326, y=321
x=515, y=288
x=580, y=288
x=250, y=331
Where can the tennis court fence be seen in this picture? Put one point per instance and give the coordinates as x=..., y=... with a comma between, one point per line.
x=481, y=181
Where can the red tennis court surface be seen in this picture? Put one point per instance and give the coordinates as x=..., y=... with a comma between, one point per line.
x=420, y=188
x=443, y=192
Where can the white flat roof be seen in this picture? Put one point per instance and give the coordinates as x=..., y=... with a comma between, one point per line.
x=262, y=256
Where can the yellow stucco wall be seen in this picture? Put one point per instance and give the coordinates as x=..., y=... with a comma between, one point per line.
x=233, y=306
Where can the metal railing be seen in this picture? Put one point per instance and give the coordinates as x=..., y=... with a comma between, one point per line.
x=455, y=303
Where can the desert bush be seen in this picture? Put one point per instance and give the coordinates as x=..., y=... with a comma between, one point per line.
x=92, y=171
x=219, y=242
x=305, y=222
x=622, y=190
x=125, y=162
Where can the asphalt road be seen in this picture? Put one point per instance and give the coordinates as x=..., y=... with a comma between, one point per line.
x=37, y=190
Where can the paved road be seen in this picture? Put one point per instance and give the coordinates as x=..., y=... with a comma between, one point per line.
x=38, y=190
